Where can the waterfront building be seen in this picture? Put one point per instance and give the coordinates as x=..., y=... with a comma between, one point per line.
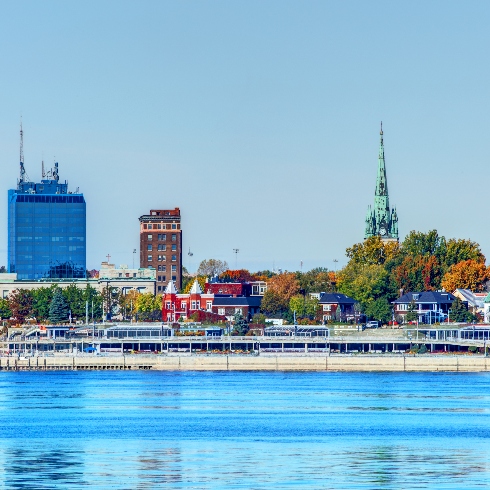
x=223, y=299
x=46, y=228
x=475, y=301
x=430, y=306
x=381, y=220
x=336, y=306
x=161, y=246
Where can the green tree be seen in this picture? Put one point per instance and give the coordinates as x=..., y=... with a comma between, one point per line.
x=412, y=315
x=316, y=281
x=5, y=311
x=58, y=309
x=379, y=309
x=458, y=250
x=149, y=306
x=305, y=306
x=41, y=299
x=74, y=297
x=373, y=251
x=110, y=300
x=459, y=312
x=20, y=303
x=273, y=304
x=240, y=324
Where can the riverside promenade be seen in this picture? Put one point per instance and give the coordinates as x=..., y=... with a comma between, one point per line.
x=249, y=362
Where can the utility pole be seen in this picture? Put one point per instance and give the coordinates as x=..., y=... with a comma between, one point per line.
x=235, y=251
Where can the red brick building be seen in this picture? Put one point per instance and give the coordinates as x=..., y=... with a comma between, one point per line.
x=161, y=246
x=224, y=299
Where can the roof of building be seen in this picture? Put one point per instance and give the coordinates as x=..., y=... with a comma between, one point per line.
x=196, y=288
x=431, y=297
x=473, y=299
x=170, y=289
x=237, y=301
x=336, y=298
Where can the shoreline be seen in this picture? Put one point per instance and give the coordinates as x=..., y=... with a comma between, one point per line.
x=267, y=362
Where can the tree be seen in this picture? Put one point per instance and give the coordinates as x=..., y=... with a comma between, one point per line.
x=74, y=299
x=412, y=315
x=418, y=243
x=285, y=285
x=200, y=279
x=305, y=306
x=212, y=267
x=459, y=312
x=110, y=300
x=20, y=302
x=240, y=324
x=379, y=309
x=316, y=281
x=5, y=311
x=58, y=309
x=41, y=300
x=458, y=250
x=272, y=304
x=240, y=275
x=149, y=306
x=468, y=274
x=364, y=283
x=128, y=303
x=417, y=273
x=373, y=251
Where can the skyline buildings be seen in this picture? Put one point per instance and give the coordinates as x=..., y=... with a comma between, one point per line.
x=161, y=245
x=46, y=227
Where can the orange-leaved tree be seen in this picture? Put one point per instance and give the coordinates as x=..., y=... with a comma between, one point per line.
x=467, y=274
x=280, y=289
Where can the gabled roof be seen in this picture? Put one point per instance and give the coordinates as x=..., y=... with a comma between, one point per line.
x=336, y=298
x=196, y=288
x=428, y=297
x=237, y=301
x=473, y=299
x=170, y=289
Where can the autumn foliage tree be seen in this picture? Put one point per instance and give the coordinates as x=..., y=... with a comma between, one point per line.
x=20, y=302
x=467, y=274
x=280, y=289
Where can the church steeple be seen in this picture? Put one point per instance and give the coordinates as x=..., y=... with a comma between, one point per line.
x=381, y=220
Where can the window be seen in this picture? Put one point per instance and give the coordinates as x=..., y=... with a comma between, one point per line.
x=194, y=305
x=238, y=310
x=150, y=247
x=174, y=237
x=174, y=226
x=159, y=268
x=183, y=306
x=150, y=227
x=159, y=278
x=164, y=238
x=174, y=258
x=327, y=307
x=174, y=268
x=162, y=258
x=162, y=247
x=209, y=305
x=174, y=247
x=144, y=227
x=167, y=305
x=150, y=237
x=164, y=278
x=134, y=274
x=221, y=311
x=150, y=258
x=159, y=288
x=174, y=278
x=159, y=226
x=164, y=269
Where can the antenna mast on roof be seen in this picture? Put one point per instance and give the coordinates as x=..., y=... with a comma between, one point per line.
x=22, y=169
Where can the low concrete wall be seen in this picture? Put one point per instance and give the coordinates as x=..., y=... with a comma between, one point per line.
x=282, y=362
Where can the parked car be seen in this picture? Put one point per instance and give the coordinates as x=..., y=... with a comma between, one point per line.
x=372, y=324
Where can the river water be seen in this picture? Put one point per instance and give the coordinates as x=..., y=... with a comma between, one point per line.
x=145, y=430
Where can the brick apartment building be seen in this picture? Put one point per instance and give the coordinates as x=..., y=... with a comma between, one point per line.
x=161, y=246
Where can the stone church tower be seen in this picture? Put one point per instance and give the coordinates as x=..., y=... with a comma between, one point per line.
x=381, y=220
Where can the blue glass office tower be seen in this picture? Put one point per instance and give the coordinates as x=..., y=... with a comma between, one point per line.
x=46, y=229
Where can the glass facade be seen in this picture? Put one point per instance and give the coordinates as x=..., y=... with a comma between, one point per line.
x=46, y=231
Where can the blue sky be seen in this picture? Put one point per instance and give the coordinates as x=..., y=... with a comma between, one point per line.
x=259, y=119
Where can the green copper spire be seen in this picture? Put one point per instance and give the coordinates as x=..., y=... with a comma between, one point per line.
x=380, y=220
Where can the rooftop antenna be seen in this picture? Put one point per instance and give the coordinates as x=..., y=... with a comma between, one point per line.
x=190, y=254
x=22, y=169
x=43, y=173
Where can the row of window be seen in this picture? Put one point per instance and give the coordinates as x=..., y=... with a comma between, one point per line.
x=161, y=258
x=161, y=237
x=162, y=288
x=161, y=226
x=163, y=268
x=161, y=248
